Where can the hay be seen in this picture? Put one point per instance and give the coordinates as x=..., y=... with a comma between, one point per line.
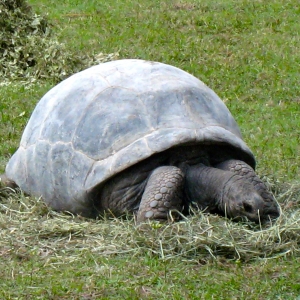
x=29, y=50
x=28, y=226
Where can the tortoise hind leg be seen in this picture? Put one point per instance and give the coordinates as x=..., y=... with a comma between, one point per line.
x=243, y=169
x=163, y=194
x=6, y=182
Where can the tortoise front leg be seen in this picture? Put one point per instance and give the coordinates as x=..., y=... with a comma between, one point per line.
x=243, y=169
x=163, y=193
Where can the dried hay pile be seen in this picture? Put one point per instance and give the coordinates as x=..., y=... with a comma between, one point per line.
x=29, y=51
x=28, y=227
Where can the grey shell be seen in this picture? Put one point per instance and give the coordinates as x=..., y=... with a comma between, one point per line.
x=104, y=119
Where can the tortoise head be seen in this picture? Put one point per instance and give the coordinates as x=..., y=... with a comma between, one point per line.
x=240, y=200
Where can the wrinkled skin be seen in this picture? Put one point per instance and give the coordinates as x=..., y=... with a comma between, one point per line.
x=229, y=194
x=154, y=188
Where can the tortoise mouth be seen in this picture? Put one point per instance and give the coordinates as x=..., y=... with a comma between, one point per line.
x=259, y=214
x=258, y=217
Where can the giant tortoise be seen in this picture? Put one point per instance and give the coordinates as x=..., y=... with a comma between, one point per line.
x=139, y=137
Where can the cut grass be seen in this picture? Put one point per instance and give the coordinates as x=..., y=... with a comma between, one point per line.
x=201, y=236
x=247, y=51
x=47, y=255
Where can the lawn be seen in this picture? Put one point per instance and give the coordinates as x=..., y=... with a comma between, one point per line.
x=248, y=53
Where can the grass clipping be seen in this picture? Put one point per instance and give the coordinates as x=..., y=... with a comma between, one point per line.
x=29, y=51
x=29, y=228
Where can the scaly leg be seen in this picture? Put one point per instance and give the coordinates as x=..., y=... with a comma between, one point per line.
x=163, y=194
x=6, y=182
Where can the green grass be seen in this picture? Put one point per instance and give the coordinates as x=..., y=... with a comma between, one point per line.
x=248, y=52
